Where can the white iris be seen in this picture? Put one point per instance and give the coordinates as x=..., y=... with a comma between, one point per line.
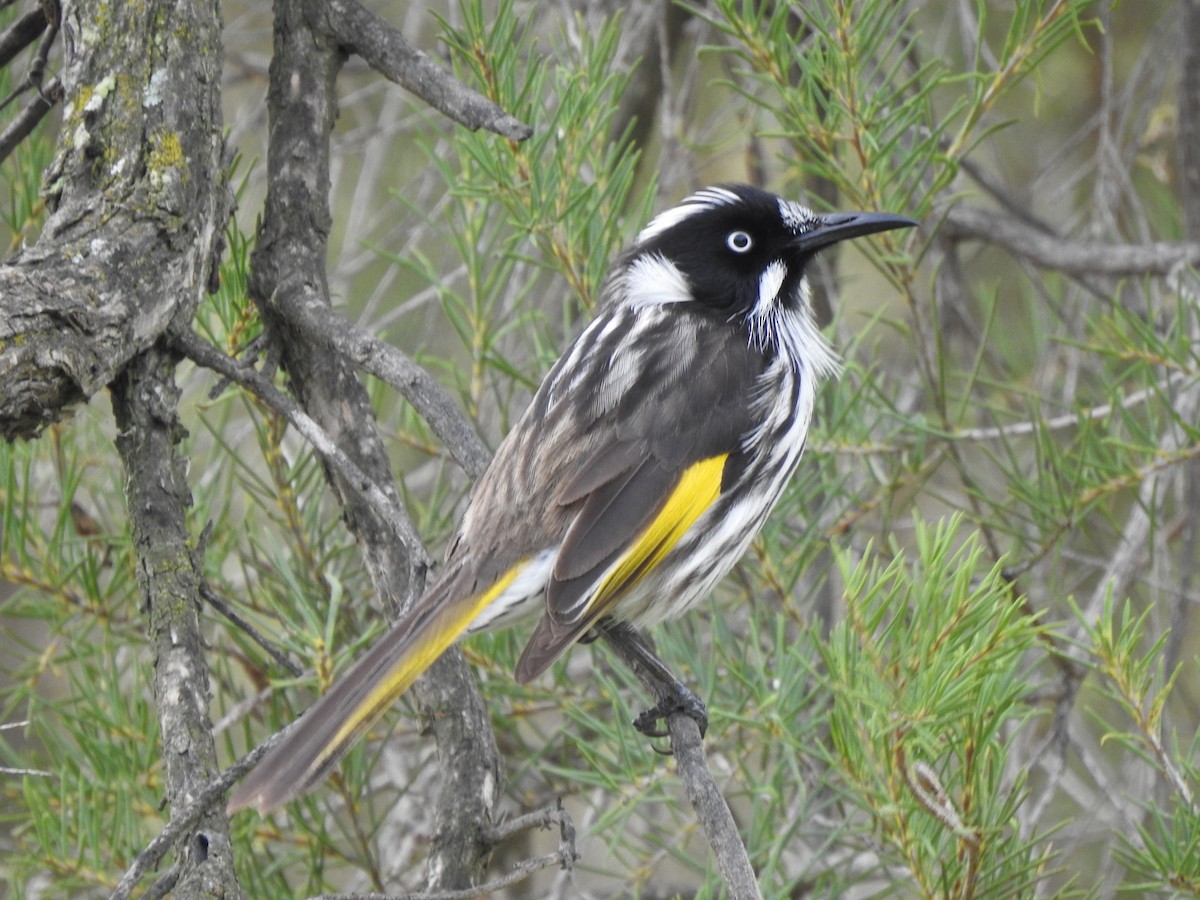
x=739, y=241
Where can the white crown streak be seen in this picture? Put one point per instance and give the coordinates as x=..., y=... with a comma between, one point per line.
x=709, y=198
x=668, y=219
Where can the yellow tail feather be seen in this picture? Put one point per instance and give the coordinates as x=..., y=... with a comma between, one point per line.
x=329, y=729
x=443, y=631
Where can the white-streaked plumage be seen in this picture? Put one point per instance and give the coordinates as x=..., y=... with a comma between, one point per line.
x=646, y=463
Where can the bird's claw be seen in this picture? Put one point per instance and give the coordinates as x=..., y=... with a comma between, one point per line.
x=680, y=700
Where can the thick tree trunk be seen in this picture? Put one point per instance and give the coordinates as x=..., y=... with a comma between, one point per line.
x=137, y=205
x=137, y=201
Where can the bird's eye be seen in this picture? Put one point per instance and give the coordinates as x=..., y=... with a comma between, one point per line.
x=739, y=241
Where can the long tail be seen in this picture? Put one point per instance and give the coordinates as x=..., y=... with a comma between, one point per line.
x=329, y=729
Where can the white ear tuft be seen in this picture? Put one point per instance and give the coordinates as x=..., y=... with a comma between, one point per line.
x=653, y=280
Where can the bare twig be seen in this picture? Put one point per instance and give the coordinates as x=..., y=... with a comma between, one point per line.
x=20, y=34
x=1154, y=490
x=538, y=819
x=208, y=356
x=217, y=602
x=23, y=124
x=563, y=857
x=37, y=67
x=385, y=49
x=687, y=746
x=1079, y=258
x=391, y=366
x=1070, y=420
x=185, y=819
x=19, y=773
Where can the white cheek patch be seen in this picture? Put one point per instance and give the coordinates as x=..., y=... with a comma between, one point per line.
x=653, y=280
x=769, y=283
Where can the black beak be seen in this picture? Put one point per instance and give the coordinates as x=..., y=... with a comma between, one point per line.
x=843, y=226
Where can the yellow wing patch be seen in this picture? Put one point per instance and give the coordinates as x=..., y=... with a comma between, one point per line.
x=445, y=629
x=698, y=487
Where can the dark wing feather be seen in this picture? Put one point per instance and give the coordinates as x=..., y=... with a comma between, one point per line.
x=681, y=410
x=610, y=517
x=610, y=462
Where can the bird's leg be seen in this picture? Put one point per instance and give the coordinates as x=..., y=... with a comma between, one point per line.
x=671, y=696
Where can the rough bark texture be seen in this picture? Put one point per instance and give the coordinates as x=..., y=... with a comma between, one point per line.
x=288, y=270
x=137, y=207
x=470, y=771
x=145, y=403
x=287, y=281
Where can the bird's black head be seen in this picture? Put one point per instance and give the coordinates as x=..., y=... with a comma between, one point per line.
x=735, y=249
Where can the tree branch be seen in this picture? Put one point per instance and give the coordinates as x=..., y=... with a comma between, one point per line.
x=391, y=366
x=145, y=400
x=687, y=746
x=1049, y=251
x=23, y=124
x=564, y=857
x=185, y=819
x=20, y=34
x=288, y=281
x=381, y=502
x=137, y=202
x=384, y=48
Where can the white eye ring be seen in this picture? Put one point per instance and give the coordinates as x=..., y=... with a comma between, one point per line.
x=739, y=241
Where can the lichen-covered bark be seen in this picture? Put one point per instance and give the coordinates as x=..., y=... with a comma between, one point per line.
x=137, y=206
x=145, y=403
x=137, y=203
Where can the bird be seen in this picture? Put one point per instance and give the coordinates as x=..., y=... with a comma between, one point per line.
x=646, y=462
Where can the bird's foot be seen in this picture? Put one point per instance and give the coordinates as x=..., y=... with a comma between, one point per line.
x=679, y=699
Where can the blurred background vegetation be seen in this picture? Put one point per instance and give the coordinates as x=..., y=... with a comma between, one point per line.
x=960, y=661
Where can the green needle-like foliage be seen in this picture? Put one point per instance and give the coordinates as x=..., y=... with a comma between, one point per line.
x=960, y=659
